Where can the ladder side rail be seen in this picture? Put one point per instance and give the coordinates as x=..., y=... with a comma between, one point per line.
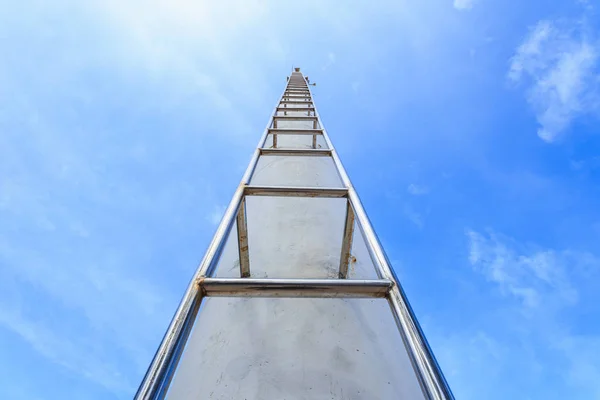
x=427, y=369
x=155, y=381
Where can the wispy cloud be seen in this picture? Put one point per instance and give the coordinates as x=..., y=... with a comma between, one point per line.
x=413, y=216
x=536, y=323
x=104, y=312
x=529, y=277
x=417, y=190
x=214, y=217
x=79, y=355
x=330, y=61
x=464, y=4
x=558, y=62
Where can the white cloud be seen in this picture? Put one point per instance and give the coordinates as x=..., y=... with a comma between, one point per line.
x=464, y=4
x=67, y=351
x=217, y=213
x=531, y=276
x=413, y=216
x=108, y=318
x=538, y=322
x=417, y=190
x=559, y=65
x=330, y=61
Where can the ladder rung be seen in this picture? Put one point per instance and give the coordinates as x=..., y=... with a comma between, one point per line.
x=295, y=152
x=277, y=131
x=249, y=287
x=296, y=102
x=291, y=191
x=295, y=117
x=295, y=109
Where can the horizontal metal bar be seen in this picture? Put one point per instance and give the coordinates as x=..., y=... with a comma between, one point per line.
x=292, y=191
x=295, y=152
x=296, y=102
x=295, y=109
x=277, y=131
x=294, y=118
x=232, y=287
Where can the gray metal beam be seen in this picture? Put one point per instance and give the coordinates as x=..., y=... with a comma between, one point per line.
x=347, y=241
x=278, y=131
x=294, y=118
x=296, y=152
x=242, y=231
x=295, y=109
x=291, y=191
x=296, y=102
x=328, y=288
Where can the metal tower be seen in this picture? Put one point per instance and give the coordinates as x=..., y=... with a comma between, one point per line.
x=295, y=298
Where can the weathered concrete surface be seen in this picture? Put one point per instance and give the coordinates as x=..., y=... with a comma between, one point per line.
x=295, y=348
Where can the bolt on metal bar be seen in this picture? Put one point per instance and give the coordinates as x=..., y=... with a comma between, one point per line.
x=242, y=231
x=347, y=241
x=429, y=374
x=328, y=288
x=296, y=152
x=290, y=191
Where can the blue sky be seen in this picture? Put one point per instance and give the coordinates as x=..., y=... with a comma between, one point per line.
x=469, y=128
